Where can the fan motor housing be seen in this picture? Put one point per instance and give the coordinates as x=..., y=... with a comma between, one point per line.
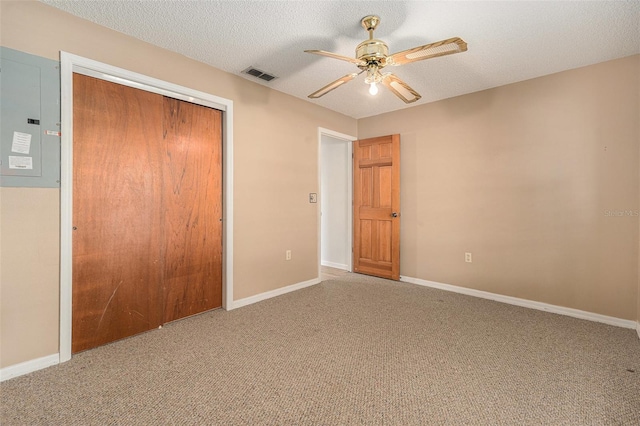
x=373, y=50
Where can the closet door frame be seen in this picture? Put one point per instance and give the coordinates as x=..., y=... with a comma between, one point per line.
x=71, y=64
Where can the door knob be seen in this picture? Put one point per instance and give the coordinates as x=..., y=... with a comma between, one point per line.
x=394, y=214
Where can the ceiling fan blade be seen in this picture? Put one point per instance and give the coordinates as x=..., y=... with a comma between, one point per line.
x=400, y=88
x=336, y=56
x=333, y=85
x=440, y=48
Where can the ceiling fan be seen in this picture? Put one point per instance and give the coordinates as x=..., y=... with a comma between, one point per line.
x=373, y=55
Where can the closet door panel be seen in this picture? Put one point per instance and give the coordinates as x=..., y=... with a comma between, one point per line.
x=192, y=208
x=117, y=219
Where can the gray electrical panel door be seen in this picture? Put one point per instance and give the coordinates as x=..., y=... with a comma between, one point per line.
x=29, y=120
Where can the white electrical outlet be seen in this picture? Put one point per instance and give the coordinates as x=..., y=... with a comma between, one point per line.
x=287, y=255
x=467, y=258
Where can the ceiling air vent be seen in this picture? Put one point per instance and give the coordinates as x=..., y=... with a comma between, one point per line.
x=259, y=74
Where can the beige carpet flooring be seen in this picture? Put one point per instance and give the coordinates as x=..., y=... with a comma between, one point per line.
x=351, y=351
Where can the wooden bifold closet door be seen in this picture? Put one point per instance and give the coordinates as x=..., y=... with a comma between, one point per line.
x=147, y=209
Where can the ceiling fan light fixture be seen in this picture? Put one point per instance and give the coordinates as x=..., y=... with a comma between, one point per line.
x=372, y=55
x=373, y=76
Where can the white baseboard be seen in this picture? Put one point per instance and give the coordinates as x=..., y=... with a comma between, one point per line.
x=638, y=328
x=273, y=293
x=335, y=265
x=28, y=367
x=576, y=313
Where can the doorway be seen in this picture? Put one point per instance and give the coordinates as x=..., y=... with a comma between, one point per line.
x=336, y=194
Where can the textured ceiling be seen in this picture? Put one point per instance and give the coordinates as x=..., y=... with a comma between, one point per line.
x=508, y=41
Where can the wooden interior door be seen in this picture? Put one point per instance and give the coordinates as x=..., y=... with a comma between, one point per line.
x=147, y=209
x=117, y=185
x=193, y=209
x=376, y=206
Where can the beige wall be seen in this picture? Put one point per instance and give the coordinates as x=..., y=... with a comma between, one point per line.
x=521, y=176
x=29, y=251
x=275, y=147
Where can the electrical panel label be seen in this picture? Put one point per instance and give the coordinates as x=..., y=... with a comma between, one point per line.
x=21, y=143
x=24, y=163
